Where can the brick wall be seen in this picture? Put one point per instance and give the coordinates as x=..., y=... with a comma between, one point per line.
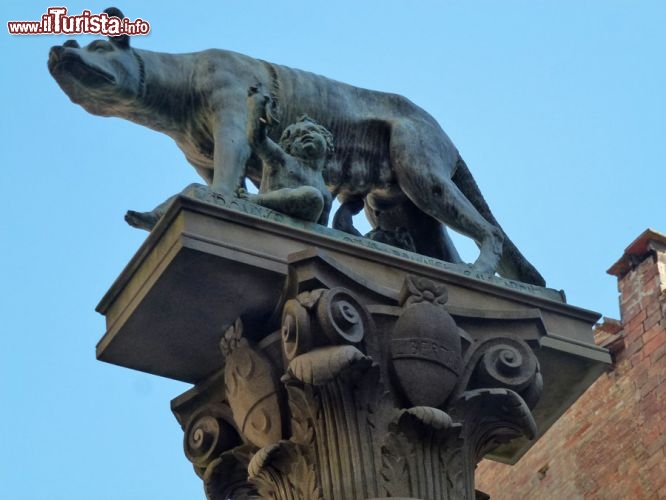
x=611, y=444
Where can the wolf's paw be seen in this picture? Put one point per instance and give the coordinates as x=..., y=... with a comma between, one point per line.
x=142, y=220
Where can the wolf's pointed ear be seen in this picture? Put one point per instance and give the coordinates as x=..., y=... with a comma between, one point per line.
x=121, y=41
x=114, y=12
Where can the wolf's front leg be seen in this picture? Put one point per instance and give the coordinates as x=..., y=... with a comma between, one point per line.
x=232, y=152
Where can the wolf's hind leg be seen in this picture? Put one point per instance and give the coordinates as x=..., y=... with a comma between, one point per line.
x=424, y=174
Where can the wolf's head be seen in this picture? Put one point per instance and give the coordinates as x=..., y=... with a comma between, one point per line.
x=103, y=77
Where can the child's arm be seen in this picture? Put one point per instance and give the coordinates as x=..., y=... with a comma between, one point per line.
x=257, y=123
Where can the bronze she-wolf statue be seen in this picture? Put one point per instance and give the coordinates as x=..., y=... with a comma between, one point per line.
x=390, y=156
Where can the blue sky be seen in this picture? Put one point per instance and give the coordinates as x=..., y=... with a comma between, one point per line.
x=557, y=107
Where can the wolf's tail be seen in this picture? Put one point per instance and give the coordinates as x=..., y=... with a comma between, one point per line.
x=513, y=264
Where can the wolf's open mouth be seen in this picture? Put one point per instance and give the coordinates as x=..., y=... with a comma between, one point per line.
x=61, y=62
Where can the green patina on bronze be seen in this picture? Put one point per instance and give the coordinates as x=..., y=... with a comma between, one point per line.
x=391, y=157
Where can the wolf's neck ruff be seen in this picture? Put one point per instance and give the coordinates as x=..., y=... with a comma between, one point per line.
x=275, y=87
x=142, y=74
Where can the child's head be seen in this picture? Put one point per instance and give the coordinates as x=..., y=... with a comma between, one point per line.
x=303, y=126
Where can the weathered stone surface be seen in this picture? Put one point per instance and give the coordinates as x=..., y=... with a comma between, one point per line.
x=302, y=395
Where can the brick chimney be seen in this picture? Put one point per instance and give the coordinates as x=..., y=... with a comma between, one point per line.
x=641, y=274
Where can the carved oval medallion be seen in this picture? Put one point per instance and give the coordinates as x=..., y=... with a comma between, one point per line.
x=425, y=354
x=253, y=396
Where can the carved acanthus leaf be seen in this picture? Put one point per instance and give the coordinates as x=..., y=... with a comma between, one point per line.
x=301, y=408
x=395, y=469
x=226, y=477
x=231, y=339
x=426, y=417
x=303, y=476
x=493, y=417
x=322, y=365
x=282, y=470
